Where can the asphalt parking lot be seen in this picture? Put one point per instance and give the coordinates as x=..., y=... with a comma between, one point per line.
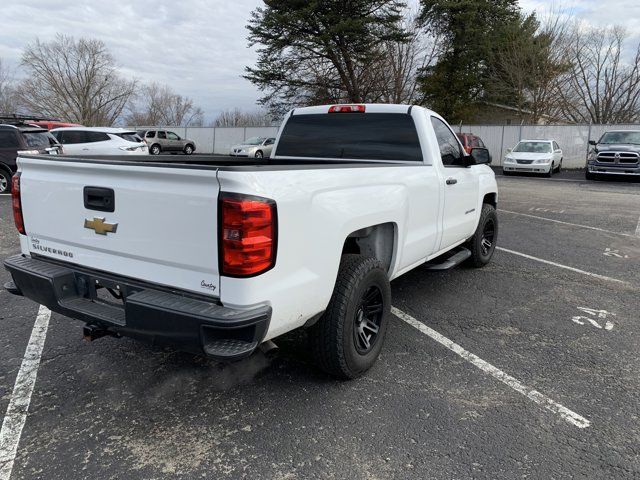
x=529, y=368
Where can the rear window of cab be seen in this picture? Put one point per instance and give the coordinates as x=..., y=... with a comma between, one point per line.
x=358, y=136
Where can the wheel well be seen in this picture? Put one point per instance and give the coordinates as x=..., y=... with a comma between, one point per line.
x=155, y=145
x=190, y=145
x=491, y=199
x=377, y=241
x=7, y=170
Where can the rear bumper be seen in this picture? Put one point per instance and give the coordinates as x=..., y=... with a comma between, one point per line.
x=146, y=312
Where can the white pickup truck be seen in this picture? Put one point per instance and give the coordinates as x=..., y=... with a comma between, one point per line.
x=217, y=255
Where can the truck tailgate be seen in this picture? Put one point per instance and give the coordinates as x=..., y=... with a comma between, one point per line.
x=163, y=227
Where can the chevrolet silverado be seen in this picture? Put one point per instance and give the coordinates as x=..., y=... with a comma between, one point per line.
x=217, y=255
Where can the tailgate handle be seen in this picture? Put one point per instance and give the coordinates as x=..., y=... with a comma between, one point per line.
x=100, y=199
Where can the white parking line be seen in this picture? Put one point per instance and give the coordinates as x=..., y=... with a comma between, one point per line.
x=559, y=265
x=574, y=224
x=18, y=408
x=533, y=395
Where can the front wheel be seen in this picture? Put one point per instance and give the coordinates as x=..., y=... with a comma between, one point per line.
x=559, y=169
x=483, y=242
x=348, y=338
x=188, y=150
x=259, y=154
x=549, y=174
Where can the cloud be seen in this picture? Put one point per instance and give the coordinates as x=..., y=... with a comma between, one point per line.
x=197, y=47
x=594, y=12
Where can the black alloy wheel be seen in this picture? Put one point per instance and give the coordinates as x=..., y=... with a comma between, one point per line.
x=368, y=319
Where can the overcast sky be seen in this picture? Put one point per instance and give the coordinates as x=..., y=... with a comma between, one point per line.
x=198, y=47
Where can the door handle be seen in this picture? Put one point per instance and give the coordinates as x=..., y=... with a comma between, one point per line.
x=452, y=181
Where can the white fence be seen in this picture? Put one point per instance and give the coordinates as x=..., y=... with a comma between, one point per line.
x=217, y=140
x=573, y=139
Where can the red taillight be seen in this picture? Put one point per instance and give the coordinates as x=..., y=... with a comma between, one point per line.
x=248, y=234
x=347, y=109
x=17, y=203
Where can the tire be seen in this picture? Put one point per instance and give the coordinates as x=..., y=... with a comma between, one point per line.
x=155, y=149
x=259, y=154
x=590, y=176
x=5, y=181
x=487, y=229
x=188, y=149
x=559, y=169
x=339, y=339
x=505, y=173
x=549, y=174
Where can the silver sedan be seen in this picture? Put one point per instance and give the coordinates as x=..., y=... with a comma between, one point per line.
x=257, y=147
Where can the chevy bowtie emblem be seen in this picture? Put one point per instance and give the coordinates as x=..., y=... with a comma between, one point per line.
x=99, y=226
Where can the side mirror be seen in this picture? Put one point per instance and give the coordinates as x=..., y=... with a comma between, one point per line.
x=479, y=156
x=593, y=142
x=509, y=150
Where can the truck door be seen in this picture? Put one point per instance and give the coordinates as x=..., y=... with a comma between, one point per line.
x=461, y=188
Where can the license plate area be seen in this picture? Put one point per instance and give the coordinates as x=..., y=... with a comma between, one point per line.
x=102, y=290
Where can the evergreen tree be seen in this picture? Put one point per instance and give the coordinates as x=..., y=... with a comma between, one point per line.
x=320, y=51
x=471, y=31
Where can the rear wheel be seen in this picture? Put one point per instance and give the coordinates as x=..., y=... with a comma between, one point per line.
x=155, y=149
x=5, y=181
x=348, y=338
x=483, y=242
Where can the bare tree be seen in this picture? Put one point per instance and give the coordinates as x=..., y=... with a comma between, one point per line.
x=238, y=118
x=401, y=61
x=8, y=100
x=527, y=66
x=75, y=80
x=159, y=105
x=603, y=84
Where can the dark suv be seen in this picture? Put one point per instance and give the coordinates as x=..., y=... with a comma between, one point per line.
x=22, y=138
x=616, y=153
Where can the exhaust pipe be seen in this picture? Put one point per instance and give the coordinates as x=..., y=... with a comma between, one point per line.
x=269, y=348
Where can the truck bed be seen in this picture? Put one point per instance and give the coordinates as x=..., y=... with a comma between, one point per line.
x=218, y=162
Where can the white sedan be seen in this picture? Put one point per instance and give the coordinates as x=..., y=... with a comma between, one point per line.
x=100, y=141
x=534, y=156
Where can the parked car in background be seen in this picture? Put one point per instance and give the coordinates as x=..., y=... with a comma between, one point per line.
x=469, y=141
x=100, y=141
x=257, y=147
x=160, y=141
x=51, y=124
x=534, y=156
x=616, y=153
x=25, y=139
